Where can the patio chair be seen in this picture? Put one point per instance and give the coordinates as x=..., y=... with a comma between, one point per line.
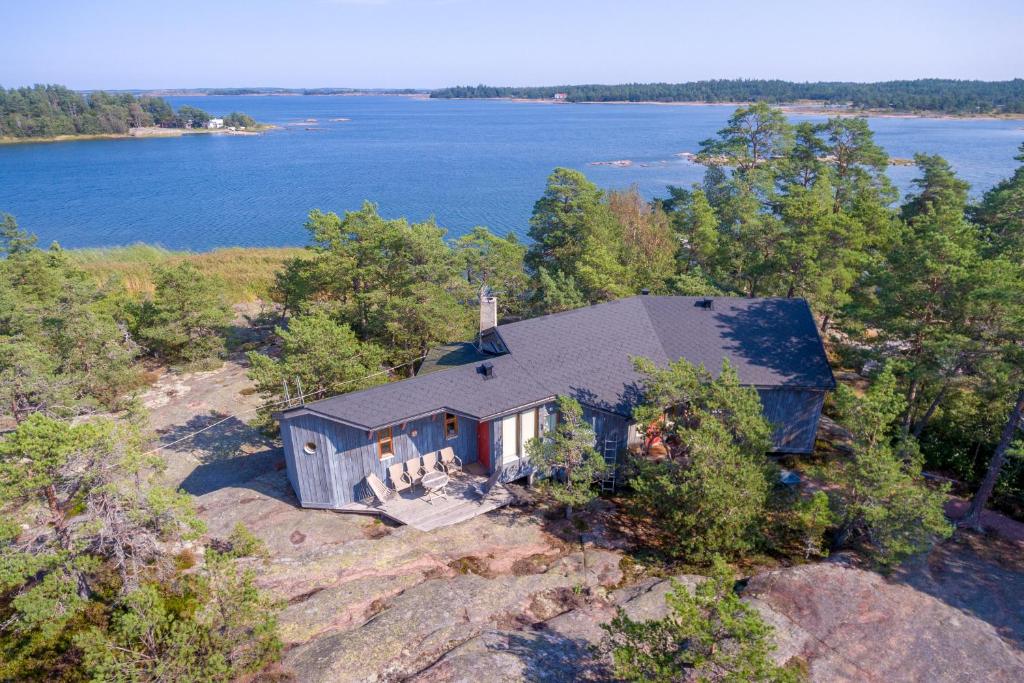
x=450, y=461
x=400, y=480
x=381, y=492
x=414, y=471
x=430, y=462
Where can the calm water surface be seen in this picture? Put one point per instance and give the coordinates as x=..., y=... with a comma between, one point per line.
x=466, y=163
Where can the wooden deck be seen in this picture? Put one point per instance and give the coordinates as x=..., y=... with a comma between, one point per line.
x=413, y=509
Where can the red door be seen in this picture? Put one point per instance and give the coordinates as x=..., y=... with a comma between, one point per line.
x=483, y=444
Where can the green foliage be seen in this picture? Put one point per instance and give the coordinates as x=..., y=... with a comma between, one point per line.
x=567, y=457
x=495, y=262
x=244, y=543
x=395, y=284
x=926, y=94
x=574, y=232
x=237, y=119
x=752, y=136
x=323, y=356
x=94, y=530
x=881, y=497
x=804, y=525
x=557, y=292
x=51, y=110
x=210, y=626
x=712, y=500
x=63, y=346
x=187, y=317
x=709, y=635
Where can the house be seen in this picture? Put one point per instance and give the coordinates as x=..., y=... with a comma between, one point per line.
x=488, y=398
x=561, y=96
x=215, y=123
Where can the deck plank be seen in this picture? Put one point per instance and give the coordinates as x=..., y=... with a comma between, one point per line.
x=462, y=503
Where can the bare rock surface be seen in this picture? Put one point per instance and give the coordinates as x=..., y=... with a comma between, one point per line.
x=855, y=625
x=415, y=628
x=563, y=648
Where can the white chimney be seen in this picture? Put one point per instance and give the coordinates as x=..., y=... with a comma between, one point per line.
x=488, y=309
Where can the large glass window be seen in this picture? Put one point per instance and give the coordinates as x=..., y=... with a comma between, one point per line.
x=508, y=437
x=516, y=431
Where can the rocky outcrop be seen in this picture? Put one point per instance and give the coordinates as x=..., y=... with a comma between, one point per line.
x=439, y=617
x=854, y=625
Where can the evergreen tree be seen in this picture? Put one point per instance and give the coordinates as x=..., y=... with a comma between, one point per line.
x=708, y=635
x=713, y=498
x=186, y=319
x=880, y=496
x=568, y=458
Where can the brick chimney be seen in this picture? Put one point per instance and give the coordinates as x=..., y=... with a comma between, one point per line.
x=488, y=309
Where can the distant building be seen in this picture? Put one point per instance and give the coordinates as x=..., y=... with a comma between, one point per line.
x=561, y=96
x=215, y=123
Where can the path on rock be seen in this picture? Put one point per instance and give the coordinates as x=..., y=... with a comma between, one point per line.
x=227, y=454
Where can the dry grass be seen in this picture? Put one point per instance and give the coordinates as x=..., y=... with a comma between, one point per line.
x=247, y=273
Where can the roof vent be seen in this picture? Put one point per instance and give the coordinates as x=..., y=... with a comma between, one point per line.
x=706, y=304
x=645, y=291
x=487, y=370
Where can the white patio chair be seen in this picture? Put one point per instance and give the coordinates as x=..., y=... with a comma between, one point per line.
x=414, y=471
x=400, y=480
x=430, y=463
x=450, y=461
x=381, y=492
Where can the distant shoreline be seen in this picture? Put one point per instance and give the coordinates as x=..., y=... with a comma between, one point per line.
x=148, y=132
x=794, y=108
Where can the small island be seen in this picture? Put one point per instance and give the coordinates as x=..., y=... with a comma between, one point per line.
x=54, y=113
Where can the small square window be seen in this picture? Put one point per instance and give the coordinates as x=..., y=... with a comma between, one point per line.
x=451, y=426
x=385, y=443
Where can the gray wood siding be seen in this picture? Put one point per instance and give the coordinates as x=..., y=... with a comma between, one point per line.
x=336, y=473
x=794, y=413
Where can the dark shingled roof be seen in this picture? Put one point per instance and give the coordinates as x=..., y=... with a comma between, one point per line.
x=586, y=353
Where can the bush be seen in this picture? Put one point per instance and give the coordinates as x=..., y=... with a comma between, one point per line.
x=709, y=635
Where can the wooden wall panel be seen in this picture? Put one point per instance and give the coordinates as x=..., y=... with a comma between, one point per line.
x=336, y=474
x=794, y=413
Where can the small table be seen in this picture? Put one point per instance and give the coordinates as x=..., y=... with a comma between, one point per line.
x=435, y=484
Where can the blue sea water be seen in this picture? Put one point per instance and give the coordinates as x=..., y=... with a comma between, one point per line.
x=466, y=163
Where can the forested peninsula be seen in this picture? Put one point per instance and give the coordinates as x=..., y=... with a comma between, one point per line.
x=54, y=112
x=934, y=95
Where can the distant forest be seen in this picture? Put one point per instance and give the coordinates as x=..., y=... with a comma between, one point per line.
x=296, y=91
x=931, y=94
x=50, y=110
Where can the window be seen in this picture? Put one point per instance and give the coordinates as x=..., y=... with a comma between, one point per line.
x=385, y=443
x=310, y=447
x=527, y=428
x=516, y=432
x=451, y=426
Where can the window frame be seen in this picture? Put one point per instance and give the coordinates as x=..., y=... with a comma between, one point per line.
x=382, y=440
x=452, y=420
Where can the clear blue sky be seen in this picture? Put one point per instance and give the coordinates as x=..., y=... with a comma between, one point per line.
x=432, y=43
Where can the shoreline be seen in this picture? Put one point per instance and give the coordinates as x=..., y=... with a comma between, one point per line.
x=148, y=133
x=792, y=108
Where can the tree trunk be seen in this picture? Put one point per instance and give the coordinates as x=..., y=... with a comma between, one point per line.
x=568, y=511
x=908, y=417
x=923, y=422
x=973, y=517
x=825, y=322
